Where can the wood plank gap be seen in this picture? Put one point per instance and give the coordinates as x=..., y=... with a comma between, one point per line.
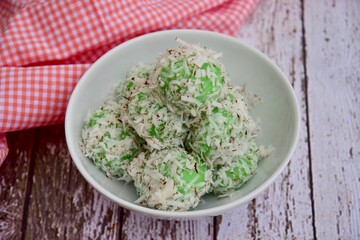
x=255, y=220
x=121, y=221
x=303, y=32
x=68, y=188
x=29, y=187
x=216, y=226
x=215, y=231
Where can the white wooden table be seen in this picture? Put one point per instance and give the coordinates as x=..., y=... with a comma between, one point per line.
x=317, y=45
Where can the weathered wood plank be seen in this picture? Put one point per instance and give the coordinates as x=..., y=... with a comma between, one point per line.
x=14, y=174
x=239, y=223
x=62, y=205
x=333, y=69
x=138, y=226
x=284, y=211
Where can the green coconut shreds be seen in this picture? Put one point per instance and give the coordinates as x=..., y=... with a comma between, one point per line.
x=154, y=122
x=225, y=132
x=231, y=174
x=170, y=179
x=189, y=78
x=136, y=79
x=109, y=142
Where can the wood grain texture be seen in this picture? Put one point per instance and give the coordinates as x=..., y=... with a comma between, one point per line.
x=139, y=226
x=284, y=211
x=333, y=69
x=239, y=223
x=62, y=205
x=14, y=174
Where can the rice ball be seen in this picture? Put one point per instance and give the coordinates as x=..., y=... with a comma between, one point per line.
x=154, y=122
x=231, y=174
x=109, y=142
x=136, y=79
x=225, y=132
x=170, y=179
x=189, y=78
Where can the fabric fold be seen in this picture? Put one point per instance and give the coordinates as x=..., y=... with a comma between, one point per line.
x=36, y=96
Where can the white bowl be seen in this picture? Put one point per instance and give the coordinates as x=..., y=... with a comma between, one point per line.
x=278, y=113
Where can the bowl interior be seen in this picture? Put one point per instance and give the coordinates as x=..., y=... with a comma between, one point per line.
x=278, y=113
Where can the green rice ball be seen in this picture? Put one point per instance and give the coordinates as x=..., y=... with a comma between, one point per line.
x=170, y=179
x=189, y=78
x=154, y=122
x=231, y=174
x=225, y=132
x=109, y=142
x=136, y=79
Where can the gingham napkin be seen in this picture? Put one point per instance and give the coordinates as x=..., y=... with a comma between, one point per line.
x=46, y=46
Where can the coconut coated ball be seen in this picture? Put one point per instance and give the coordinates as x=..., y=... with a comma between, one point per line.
x=154, y=122
x=230, y=174
x=170, y=179
x=224, y=132
x=190, y=78
x=109, y=142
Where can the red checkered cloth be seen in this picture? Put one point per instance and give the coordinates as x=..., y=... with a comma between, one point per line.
x=46, y=46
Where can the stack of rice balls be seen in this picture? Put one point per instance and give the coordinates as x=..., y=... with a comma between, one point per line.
x=177, y=128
